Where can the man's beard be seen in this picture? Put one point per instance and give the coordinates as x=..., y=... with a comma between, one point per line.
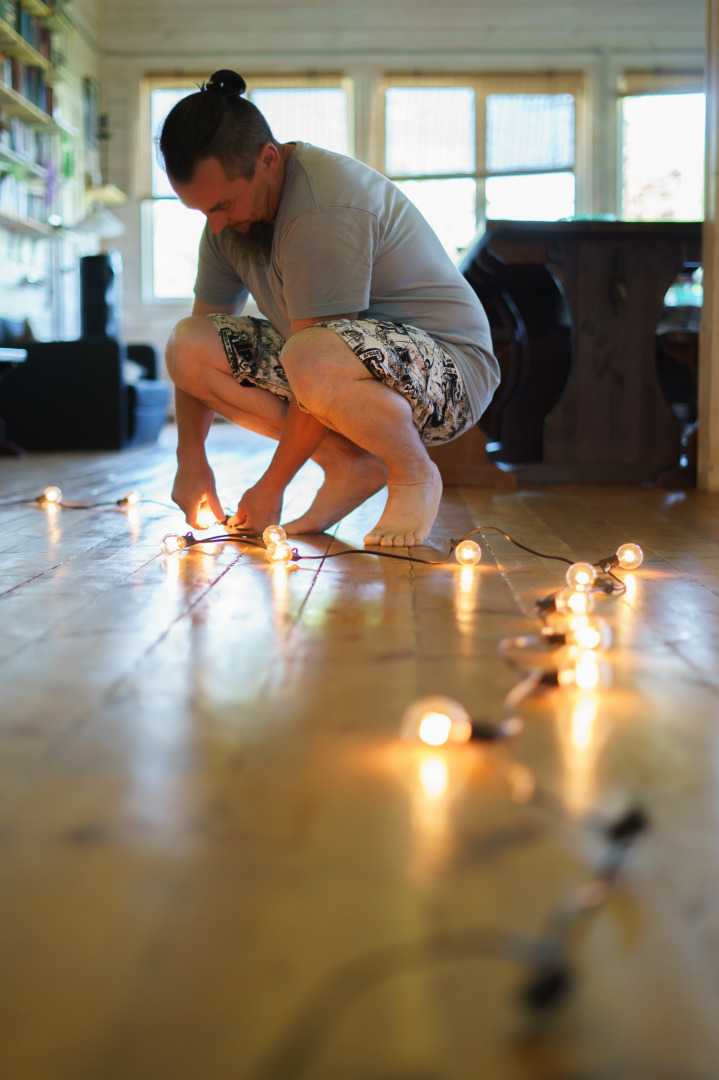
x=256, y=243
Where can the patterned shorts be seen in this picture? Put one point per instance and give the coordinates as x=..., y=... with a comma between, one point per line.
x=403, y=357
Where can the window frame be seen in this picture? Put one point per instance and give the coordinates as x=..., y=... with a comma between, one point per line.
x=575, y=83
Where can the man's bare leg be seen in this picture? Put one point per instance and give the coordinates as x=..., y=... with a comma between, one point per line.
x=334, y=386
x=198, y=365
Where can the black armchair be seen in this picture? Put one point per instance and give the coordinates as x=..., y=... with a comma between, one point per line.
x=91, y=394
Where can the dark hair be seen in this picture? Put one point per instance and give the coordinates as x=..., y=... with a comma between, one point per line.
x=216, y=122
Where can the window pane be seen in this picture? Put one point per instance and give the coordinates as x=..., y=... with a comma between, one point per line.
x=316, y=115
x=162, y=101
x=544, y=197
x=176, y=235
x=530, y=131
x=450, y=207
x=663, y=157
x=429, y=130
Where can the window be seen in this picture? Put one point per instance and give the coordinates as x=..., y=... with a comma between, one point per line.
x=311, y=110
x=467, y=149
x=174, y=231
x=662, y=138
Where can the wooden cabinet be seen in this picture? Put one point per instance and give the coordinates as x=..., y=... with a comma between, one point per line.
x=27, y=128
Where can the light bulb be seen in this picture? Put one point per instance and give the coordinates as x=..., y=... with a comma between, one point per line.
x=205, y=518
x=133, y=498
x=570, y=602
x=594, y=634
x=468, y=553
x=435, y=721
x=582, y=668
x=172, y=542
x=586, y=671
x=630, y=556
x=51, y=494
x=279, y=552
x=581, y=575
x=273, y=534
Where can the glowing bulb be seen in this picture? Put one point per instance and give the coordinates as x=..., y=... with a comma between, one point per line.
x=570, y=602
x=52, y=495
x=133, y=498
x=468, y=553
x=592, y=635
x=279, y=552
x=273, y=534
x=630, y=556
x=436, y=720
x=581, y=575
x=172, y=542
x=435, y=729
x=205, y=518
x=586, y=671
x=582, y=668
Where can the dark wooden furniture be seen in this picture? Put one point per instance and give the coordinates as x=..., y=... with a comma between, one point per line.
x=574, y=308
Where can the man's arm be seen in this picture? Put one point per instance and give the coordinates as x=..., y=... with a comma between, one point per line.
x=194, y=488
x=261, y=505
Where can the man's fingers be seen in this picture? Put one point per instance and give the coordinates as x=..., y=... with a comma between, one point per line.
x=238, y=518
x=216, y=506
x=205, y=514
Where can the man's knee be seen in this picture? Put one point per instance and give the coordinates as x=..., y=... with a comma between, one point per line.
x=316, y=359
x=191, y=344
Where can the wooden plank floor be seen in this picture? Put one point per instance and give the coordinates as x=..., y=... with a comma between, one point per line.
x=218, y=861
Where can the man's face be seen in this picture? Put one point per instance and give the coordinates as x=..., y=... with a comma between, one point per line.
x=230, y=204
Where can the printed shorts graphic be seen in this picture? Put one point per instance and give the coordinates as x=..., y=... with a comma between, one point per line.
x=403, y=357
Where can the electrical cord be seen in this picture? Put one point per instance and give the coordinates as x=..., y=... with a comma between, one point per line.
x=113, y=504
x=552, y=976
x=250, y=536
x=191, y=540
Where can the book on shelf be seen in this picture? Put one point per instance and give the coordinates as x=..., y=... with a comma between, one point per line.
x=9, y=12
x=29, y=82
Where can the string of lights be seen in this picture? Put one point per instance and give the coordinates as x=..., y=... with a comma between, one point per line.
x=467, y=552
x=52, y=497
x=565, y=652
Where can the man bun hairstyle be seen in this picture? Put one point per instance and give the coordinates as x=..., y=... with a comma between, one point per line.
x=216, y=122
x=228, y=82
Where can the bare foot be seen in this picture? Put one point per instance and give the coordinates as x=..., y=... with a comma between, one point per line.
x=348, y=482
x=410, y=512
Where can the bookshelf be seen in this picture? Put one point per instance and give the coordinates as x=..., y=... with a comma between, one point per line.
x=27, y=127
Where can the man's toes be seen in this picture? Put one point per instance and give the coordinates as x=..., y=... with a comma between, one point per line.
x=395, y=539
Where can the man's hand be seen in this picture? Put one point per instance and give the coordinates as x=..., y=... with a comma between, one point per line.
x=260, y=506
x=194, y=491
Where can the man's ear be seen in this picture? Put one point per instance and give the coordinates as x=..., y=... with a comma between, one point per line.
x=269, y=158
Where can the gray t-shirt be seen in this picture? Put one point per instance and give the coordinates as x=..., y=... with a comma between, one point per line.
x=346, y=239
